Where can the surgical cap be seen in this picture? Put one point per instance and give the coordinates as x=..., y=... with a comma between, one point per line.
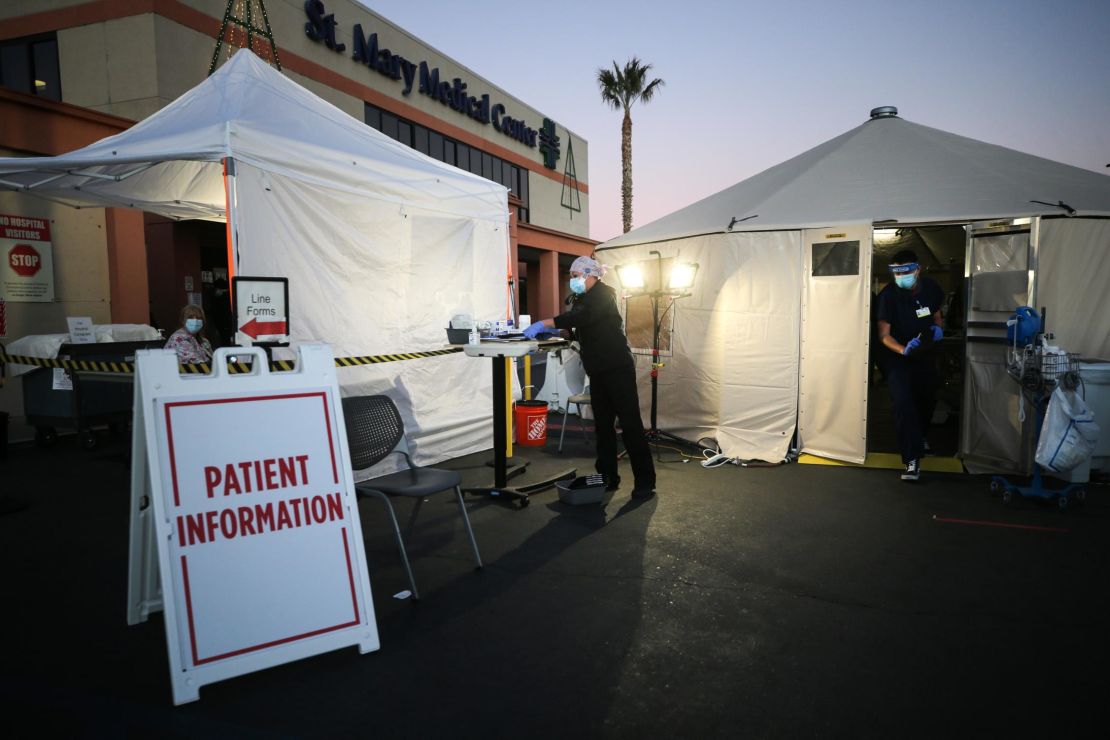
x=588, y=266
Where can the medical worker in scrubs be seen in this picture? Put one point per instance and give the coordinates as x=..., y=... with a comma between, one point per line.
x=596, y=320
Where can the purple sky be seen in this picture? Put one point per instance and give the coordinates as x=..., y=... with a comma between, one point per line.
x=749, y=85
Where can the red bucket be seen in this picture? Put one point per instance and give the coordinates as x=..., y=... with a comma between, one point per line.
x=531, y=423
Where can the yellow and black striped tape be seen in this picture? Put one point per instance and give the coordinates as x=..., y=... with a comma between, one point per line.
x=203, y=368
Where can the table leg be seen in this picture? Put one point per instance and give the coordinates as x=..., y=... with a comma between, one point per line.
x=500, y=487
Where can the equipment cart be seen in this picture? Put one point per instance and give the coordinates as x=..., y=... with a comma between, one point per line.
x=96, y=398
x=1039, y=373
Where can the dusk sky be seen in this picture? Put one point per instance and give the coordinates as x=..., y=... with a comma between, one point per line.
x=749, y=85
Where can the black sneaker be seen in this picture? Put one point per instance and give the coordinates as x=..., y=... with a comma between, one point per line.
x=612, y=482
x=643, y=492
x=927, y=449
x=913, y=470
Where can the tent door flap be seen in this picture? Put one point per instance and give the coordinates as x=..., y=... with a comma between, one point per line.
x=835, y=342
x=1000, y=272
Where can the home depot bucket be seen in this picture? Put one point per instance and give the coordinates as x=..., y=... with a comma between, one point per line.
x=531, y=423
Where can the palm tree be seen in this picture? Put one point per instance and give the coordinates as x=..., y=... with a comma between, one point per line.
x=620, y=88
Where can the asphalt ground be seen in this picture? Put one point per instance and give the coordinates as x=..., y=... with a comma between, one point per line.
x=790, y=601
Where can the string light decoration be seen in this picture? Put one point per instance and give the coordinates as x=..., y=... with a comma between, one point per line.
x=240, y=31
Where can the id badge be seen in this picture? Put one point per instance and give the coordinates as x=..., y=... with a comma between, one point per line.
x=923, y=312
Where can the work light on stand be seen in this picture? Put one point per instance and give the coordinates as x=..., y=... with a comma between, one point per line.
x=677, y=285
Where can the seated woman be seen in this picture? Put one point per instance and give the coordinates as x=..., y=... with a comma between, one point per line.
x=189, y=342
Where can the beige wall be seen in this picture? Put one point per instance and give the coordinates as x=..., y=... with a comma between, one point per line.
x=80, y=257
x=547, y=210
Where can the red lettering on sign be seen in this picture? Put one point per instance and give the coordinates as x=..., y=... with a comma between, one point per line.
x=246, y=521
x=256, y=475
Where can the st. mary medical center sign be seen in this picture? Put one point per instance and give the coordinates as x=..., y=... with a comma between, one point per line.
x=454, y=94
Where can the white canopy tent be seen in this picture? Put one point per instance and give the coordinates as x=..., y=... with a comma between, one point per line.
x=775, y=336
x=381, y=244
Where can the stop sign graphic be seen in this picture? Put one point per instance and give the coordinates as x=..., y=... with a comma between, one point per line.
x=25, y=260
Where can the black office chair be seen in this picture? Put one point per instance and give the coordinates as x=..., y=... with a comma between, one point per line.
x=374, y=430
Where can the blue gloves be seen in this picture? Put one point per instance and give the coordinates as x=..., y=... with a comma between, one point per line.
x=938, y=333
x=911, y=345
x=533, y=331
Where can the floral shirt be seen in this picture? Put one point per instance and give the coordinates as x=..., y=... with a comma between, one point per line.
x=188, y=349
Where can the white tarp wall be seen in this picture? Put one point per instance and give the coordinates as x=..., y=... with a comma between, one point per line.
x=375, y=277
x=1073, y=280
x=734, y=373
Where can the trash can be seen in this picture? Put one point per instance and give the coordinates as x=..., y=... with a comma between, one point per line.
x=531, y=423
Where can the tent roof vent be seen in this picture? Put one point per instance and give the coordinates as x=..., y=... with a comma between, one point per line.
x=885, y=111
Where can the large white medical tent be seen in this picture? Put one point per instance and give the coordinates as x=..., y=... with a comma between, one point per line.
x=381, y=244
x=775, y=336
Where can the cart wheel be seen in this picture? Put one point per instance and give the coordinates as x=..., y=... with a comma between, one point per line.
x=45, y=436
x=88, y=439
x=1007, y=496
x=524, y=502
x=1062, y=502
x=995, y=486
x=1081, y=495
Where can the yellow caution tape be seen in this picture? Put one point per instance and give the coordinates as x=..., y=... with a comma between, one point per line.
x=203, y=368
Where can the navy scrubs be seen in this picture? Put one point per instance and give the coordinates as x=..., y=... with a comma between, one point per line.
x=913, y=379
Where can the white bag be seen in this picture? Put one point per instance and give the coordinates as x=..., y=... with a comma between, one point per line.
x=1069, y=433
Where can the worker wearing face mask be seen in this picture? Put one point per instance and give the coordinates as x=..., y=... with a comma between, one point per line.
x=608, y=361
x=910, y=321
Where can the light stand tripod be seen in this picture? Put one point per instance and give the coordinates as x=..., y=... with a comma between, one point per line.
x=654, y=433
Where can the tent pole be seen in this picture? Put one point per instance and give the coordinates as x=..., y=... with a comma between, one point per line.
x=231, y=212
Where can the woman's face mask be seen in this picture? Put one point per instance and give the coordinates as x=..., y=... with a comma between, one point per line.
x=193, y=325
x=578, y=285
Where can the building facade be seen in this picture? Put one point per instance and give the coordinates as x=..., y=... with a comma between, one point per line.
x=75, y=71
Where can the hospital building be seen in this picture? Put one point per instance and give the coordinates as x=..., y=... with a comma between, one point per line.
x=73, y=72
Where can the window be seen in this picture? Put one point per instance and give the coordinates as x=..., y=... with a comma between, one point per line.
x=420, y=142
x=404, y=132
x=453, y=152
x=374, y=116
x=835, y=258
x=389, y=125
x=30, y=65
x=476, y=161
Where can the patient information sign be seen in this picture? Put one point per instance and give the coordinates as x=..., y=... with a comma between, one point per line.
x=263, y=544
